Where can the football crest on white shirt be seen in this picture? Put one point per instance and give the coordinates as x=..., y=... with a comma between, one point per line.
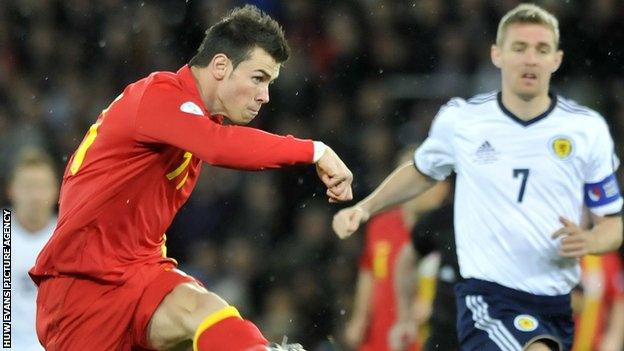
x=485, y=154
x=525, y=323
x=192, y=108
x=561, y=146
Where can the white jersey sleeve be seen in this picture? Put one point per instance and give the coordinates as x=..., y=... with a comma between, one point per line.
x=436, y=156
x=602, y=194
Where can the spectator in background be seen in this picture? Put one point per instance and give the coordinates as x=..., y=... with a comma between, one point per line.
x=33, y=191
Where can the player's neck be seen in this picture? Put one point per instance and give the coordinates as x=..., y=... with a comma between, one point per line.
x=526, y=109
x=207, y=94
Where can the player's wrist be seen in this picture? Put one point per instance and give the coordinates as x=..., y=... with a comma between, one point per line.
x=364, y=210
x=319, y=150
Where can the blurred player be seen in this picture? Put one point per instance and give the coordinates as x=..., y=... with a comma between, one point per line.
x=433, y=233
x=526, y=162
x=104, y=280
x=33, y=191
x=374, y=302
x=600, y=320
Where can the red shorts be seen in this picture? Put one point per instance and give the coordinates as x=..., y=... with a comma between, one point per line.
x=81, y=314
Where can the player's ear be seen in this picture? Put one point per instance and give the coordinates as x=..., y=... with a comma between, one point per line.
x=219, y=66
x=558, y=60
x=495, y=54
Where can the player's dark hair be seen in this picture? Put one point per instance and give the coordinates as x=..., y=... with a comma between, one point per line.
x=238, y=33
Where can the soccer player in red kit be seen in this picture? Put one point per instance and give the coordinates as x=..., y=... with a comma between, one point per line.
x=374, y=310
x=104, y=280
x=600, y=318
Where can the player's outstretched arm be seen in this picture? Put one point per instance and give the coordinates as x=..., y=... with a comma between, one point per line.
x=404, y=183
x=335, y=175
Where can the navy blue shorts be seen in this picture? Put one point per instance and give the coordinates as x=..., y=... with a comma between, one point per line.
x=491, y=317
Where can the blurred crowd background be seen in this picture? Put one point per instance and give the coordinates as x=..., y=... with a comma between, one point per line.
x=365, y=77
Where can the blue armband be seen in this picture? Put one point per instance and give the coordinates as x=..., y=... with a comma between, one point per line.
x=602, y=193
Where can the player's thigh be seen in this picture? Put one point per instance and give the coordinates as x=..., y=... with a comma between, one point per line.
x=180, y=313
x=540, y=346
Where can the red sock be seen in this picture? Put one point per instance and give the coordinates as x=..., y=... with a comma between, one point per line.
x=225, y=330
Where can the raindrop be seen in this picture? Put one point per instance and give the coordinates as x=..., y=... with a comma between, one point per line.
x=102, y=43
x=343, y=312
x=296, y=93
x=381, y=71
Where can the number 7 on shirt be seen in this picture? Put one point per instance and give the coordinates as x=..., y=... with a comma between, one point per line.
x=88, y=140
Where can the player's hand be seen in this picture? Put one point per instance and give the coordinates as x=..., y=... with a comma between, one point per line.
x=336, y=176
x=402, y=335
x=348, y=220
x=575, y=242
x=354, y=333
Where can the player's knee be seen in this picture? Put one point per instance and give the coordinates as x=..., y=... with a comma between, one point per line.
x=198, y=307
x=180, y=314
x=542, y=346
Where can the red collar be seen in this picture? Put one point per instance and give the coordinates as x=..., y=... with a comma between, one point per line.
x=190, y=85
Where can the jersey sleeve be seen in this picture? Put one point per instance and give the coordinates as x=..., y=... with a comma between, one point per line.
x=435, y=157
x=602, y=193
x=166, y=115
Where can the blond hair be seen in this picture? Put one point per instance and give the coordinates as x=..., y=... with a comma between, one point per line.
x=527, y=13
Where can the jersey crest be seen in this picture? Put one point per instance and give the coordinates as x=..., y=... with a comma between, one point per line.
x=562, y=147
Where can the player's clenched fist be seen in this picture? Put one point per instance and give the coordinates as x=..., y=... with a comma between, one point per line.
x=336, y=176
x=348, y=220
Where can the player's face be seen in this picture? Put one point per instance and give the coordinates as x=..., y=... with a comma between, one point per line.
x=34, y=191
x=246, y=89
x=527, y=58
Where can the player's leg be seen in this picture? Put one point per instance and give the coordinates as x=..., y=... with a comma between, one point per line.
x=541, y=346
x=190, y=312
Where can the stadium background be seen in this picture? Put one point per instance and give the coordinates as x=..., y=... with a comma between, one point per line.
x=365, y=76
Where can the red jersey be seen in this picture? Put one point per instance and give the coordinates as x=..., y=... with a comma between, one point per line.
x=386, y=234
x=603, y=283
x=137, y=166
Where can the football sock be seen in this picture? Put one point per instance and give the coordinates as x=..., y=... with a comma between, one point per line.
x=226, y=330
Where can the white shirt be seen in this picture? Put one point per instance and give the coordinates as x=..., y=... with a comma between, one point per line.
x=25, y=246
x=514, y=180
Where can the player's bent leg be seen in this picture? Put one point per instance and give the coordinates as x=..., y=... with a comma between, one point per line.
x=543, y=345
x=190, y=312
